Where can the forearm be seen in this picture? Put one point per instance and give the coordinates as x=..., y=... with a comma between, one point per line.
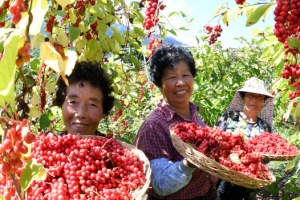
x=168, y=177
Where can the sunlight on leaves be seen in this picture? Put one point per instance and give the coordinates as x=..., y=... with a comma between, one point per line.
x=29, y=173
x=219, y=9
x=257, y=14
x=64, y=3
x=54, y=56
x=8, y=69
x=39, y=9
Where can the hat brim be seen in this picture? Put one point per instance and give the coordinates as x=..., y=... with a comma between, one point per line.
x=256, y=91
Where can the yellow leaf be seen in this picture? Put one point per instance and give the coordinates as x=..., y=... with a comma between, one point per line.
x=64, y=3
x=225, y=18
x=36, y=41
x=62, y=39
x=39, y=9
x=219, y=9
x=1, y=130
x=54, y=56
x=41, y=175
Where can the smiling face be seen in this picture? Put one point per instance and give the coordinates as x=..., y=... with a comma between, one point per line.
x=177, y=86
x=253, y=102
x=82, y=109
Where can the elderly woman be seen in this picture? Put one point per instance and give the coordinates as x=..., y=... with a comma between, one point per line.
x=250, y=113
x=86, y=100
x=172, y=70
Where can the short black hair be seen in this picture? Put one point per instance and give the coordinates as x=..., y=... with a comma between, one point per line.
x=169, y=56
x=92, y=73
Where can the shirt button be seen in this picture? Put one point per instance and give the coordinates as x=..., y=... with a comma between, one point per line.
x=207, y=176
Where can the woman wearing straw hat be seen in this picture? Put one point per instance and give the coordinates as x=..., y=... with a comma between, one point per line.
x=249, y=113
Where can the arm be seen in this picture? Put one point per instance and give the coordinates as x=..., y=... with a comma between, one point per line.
x=168, y=177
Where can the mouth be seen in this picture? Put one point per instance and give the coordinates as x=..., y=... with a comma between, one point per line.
x=181, y=92
x=79, y=125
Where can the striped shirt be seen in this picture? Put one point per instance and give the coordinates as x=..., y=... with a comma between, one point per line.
x=170, y=178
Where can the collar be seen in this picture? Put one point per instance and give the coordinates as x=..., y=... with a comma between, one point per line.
x=169, y=113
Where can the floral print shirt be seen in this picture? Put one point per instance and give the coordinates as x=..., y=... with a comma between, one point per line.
x=232, y=120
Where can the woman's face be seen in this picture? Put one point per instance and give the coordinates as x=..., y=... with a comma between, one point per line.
x=253, y=102
x=177, y=86
x=82, y=109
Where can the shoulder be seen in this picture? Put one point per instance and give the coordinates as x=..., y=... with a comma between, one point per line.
x=264, y=125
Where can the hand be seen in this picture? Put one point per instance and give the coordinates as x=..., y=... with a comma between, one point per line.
x=189, y=164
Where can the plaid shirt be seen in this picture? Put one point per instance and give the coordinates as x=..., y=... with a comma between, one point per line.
x=154, y=140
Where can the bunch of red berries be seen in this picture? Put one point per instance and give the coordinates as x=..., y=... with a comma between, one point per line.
x=214, y=33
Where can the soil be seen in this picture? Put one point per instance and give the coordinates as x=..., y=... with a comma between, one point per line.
x=264, y=194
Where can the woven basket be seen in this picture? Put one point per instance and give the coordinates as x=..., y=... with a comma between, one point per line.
x=140, y=192
x=214, y=168
x=269, y=157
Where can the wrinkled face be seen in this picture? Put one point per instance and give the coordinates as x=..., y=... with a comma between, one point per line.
x=253, y=102
x=82, y=109
x=177, y=86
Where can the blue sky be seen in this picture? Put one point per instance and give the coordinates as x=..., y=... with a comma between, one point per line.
x=202, y=11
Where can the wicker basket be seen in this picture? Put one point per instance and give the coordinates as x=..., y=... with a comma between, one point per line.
x=214, y=168
x=138, y=193
x=269, y=157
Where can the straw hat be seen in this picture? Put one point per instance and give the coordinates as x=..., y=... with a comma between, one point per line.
x=255, y=85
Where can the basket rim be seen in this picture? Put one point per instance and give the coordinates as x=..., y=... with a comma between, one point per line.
x=236, y=176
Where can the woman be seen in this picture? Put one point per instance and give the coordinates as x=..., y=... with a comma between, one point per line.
x=86, y=100
x=250, y=113
x=172, y=70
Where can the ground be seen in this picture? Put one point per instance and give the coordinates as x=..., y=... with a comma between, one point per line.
x=264, y=194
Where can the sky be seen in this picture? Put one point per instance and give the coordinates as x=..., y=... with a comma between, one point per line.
x=202, y=11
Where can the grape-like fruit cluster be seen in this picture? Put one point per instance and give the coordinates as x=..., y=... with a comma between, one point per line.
x=85, y=168
x=214, y=33
x=16, y=9
x=286, y=19
x=221, y=145
x=240, y=2
x=153, y=44
x=152, y=11
x=272, y=143
x=292, y=72
x=12, y=151
x=23, y=55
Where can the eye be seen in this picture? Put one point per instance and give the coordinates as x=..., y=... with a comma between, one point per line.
x=72, y=102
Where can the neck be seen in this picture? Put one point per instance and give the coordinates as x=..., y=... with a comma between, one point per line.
x=184, y=112
x=249, y=116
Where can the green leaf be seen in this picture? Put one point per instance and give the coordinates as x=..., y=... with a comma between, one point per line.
x=257, y=14
x=173, y=13
x=74, y=33
x=172, y=31
x=3, y=15
x=136, y=63
x=273, y=188
x=294, y=43
x=291, y=164
x=61, y=13
x=139, y=31
x=183, y=28
x=44, y=121
x=8, y=69
x=29, y=173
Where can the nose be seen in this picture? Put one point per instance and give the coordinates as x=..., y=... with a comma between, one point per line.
x=81, y=110
x=180, y=81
